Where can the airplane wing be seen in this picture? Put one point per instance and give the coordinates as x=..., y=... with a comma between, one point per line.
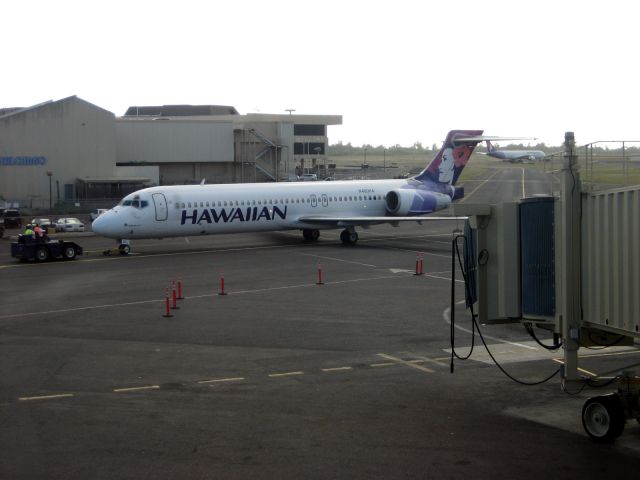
x=366, y=221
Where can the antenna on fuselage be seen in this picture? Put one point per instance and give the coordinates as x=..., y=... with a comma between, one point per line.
x=202, y=182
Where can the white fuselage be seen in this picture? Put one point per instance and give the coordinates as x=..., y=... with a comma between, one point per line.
x=185, y=210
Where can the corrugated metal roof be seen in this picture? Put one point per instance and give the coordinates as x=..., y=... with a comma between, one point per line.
x=19, y=111
x=180, y=111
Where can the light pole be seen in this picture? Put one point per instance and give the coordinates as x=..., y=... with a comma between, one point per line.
x=384, y=161
x=49, y=174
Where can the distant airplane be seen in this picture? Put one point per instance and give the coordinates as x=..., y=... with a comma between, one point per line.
x=514, y=155
x=188, y=210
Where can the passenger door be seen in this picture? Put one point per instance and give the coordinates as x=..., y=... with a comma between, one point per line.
x=160, y=202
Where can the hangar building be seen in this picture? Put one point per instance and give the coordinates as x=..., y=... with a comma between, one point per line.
x=71, y=151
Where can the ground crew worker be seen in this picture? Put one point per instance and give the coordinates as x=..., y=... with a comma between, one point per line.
x=28, y=232
x=38, y=231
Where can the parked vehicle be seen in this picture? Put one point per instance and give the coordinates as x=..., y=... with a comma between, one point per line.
x=46, y=224
x=97, y=212
x=12, y=218
x=28, y=248
x=69, y=225
x=309, y=177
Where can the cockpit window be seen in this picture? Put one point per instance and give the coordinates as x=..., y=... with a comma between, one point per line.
x=136, y=203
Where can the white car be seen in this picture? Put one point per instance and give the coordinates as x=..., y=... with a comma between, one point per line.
x=69, y=225
x=309, y=177
x=97, y=212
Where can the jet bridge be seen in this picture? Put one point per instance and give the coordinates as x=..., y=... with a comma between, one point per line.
x=571, y=265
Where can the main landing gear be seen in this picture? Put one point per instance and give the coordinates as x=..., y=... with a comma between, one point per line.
x=349, y=236
x=311, y=235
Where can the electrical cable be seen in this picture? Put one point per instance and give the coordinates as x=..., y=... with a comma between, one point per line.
x=475, y=325
x=529, y=328
x=454, y=354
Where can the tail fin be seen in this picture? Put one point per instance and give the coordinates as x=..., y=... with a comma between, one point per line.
x=447, y=165
x=490, y=148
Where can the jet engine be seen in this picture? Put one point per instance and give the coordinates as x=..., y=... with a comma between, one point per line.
x=407, y=202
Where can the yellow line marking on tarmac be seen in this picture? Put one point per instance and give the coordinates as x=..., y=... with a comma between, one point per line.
x=467, y=195
x=403, y=362
x=133, y=389
x=561, y=362
x=609, y=354
x=220, y=380
x=337, y=369
x=46, y=397
x=286, y=374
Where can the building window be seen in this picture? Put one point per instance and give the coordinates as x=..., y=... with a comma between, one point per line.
x=308, y=148
x=317, y=130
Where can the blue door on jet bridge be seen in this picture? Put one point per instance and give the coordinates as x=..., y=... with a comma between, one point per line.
x=160, y=202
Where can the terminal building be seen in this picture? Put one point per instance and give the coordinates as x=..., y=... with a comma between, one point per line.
x=72, y=151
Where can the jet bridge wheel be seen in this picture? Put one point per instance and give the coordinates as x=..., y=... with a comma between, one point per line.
x=349, y=237
x=603, y=418
x=311, y=234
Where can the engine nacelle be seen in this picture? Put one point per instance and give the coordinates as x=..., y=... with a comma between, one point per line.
x=408, y=202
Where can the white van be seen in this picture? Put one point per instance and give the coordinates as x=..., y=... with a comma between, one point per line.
x=97, y=212
x=309, y=177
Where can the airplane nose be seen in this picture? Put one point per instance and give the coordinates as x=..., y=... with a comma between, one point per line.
x=103, y=225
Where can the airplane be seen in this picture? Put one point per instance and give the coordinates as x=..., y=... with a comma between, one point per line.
x=514, y=155
x=211, y=209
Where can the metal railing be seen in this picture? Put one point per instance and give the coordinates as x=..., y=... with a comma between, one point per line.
x=604, y=164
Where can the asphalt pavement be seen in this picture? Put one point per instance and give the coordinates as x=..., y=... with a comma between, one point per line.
x=282, y=377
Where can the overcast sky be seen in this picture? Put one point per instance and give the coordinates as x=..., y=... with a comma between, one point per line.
x=398, y=71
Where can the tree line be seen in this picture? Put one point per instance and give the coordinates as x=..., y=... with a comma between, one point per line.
x=417, y=148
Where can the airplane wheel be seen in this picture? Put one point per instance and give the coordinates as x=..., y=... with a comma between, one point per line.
x=311, y=234
x=603, y=418
x=349, y=238
x=124, y=249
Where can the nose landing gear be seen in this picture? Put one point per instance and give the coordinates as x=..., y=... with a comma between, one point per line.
x=123, y=249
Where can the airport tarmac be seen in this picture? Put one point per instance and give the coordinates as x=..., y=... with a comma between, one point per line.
x=281, y=377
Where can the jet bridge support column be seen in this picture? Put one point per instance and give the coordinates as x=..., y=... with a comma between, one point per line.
x=570, y=247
